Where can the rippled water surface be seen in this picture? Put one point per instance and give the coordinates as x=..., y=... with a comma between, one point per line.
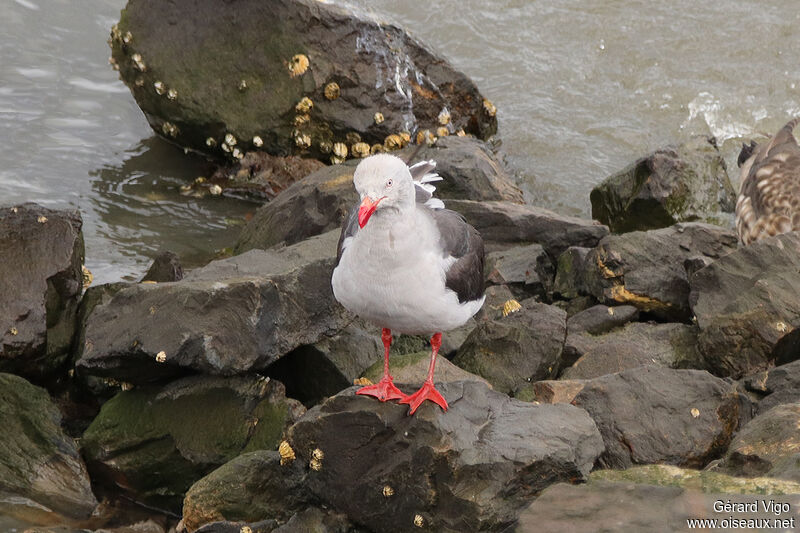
x=582, y=88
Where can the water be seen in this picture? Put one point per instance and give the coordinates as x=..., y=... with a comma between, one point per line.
x=582, y=88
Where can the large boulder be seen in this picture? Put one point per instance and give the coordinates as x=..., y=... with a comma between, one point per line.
x=527, y=270
x=286, y=76
x=675, y=184
x=234, y=315
x=154, y=442
x=253, y=486
x=42, y=477
x=769, y=445
x=468, y=469
x=600, y=319
x=320, y=201
x=505, y=222
x=511, y=351
x=40, y=286
x=660, y=415
x=782, y=385
x=412, y=368
x=637, y=344
x=646, y=268
x=658, y=498
x=747, y=305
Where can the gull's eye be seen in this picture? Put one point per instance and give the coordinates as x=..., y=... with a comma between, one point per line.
x=389, y=183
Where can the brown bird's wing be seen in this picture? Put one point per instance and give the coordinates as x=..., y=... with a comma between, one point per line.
x=769, y=194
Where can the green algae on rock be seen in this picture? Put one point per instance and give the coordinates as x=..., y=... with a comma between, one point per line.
x=154, y=442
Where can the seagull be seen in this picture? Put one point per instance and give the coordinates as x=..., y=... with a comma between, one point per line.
x=769, y=194
x=407, y=264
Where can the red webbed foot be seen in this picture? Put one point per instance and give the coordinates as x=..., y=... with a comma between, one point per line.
x=383, y=390
x=427, y=392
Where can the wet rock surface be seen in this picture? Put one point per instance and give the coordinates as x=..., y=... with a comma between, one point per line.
x=166, y=267
x=511, y=351
x=261, y=175
x=646, y=268
x=146, y=441
x=357, y=447
x=42, y=476
x=675, y=184
x=232, y=316
x=769, y=445
x=320, y=201
x=688, y=422
x=747, y=307
x=636, y=344
x=42, y=256
x=319, y=79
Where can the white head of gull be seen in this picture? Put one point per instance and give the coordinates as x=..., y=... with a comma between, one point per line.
x=407, y=264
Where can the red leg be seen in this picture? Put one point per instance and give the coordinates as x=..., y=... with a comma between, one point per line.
x=384, y=389
x=428, y=390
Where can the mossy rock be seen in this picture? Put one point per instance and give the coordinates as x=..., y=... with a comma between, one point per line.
x=703, y=481
x=154, y=442
x=412, y=368
x=42, y=476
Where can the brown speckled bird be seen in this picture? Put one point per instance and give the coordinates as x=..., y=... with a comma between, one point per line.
x=769, y=194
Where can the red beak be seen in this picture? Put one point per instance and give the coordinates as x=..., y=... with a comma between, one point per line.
x=365, y=210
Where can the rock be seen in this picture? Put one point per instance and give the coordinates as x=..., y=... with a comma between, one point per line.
x=318, y=521
x=508, y=222
x=42, y=477
x=705, y=481
x=468, y=469
x=154, y=442
x=42, y=251
x=251, y=487
x=320, y=201
x=232, y=316
x=166, y=267
x=259, y=174
x=782, y=383
x=514, y=350
x=264, y=526
x=570, y=273
x=637, y=344
x=320, y=80
x=412, y=369
x=646, y=268
x=676, y=184
x=600, y=319
x=498, y=298
x=688, y=422
x=519, y=268
x=747, y=307
x=611, y=505
x=769, y=445
x=561, y=391
x=313, y=372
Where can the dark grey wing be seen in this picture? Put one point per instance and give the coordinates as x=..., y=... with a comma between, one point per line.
x=349, y=229
x=462, y=242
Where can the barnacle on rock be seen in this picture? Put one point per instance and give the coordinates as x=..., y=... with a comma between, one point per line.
x=352, y=138
x=426, y=137
x=360, y=150
x=340, y=150
x=298, y=65
x=113, y=63
x=444, y=117
x=127, y=38
x=138, y=63
x=286, y=452
x=393, y=142
x=461, y=133
x=332, y=91
x=211, y=142
x=242, y=85
x=489, y=107
x=86, y=277
x=161, y=356
x=172, y=94
x=511, y=306
x=215, y=190
x=325, y=147
x=139, y=82
x=13, y=331
x=442, y=132
x=258, y=142
x=378, y=117
x=419, y=521
x=159, y=87
x=406, y=137
x=302, y=140
x=388, y=491
x=377, y=149
x=169, y=129
x=304, y=105
x=41, y=219
x=299, y=120
x=238, y=154
x=230, y=140
x=316, y=459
